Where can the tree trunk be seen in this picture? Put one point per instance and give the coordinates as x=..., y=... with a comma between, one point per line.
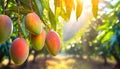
x=117, y=66
x=105, y=60
x=104, y=56
x=117, y=59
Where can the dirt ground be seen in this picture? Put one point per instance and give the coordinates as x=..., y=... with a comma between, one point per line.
x=61, y=62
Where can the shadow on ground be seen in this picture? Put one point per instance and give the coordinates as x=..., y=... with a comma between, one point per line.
x=61, y=62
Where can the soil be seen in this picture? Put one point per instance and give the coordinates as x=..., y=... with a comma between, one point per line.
x=61, y=62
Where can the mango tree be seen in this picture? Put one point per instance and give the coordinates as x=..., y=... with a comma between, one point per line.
x=29, y=24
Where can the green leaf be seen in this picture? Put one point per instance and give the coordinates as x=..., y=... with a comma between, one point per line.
x=45, y=4
x=117, y=4
x=0, y=9
x=15, y=9
x=107, y=36
x=104, y=26
x=95, y=8
x=52, y=19
x=40, y=7
x=23, y=29
x=113, y=39
x=1, y=3
x=79, y=8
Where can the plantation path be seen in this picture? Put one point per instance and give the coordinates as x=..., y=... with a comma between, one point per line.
x=61, y=62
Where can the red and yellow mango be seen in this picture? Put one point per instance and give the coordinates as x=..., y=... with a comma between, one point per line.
x=38, y=40
x=33, y=23
x=6, y=28
x=19, y=51
x=52, y=43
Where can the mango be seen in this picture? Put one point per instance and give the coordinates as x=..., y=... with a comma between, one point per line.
x=38, y=41
x=6, y=28
x=33, y=23
x=19, y=51
x=52, y=43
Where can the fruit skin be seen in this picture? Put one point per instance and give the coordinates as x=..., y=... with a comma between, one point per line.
x=6, y=28
x=38, y=41
x=33, y=23
x=19, y=51
x=53, y=43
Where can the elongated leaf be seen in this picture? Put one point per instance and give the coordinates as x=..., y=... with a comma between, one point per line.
x=117, y=4
x=52, y=19
x=69, y=6
x=23, y=29
x=57, y=12
x=95, y=7
x=79, y=8
x=0, y=9
x=40, y=7
x=58, y=6
x=107, y=36
x=63, y=14
x=45, y=4
x=35, y=7
x=104, y=26
x=113, y=39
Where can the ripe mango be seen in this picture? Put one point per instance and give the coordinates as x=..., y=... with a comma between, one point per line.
x=38, y=40
x=6, y=28
x=52, y=43
x=33, y=23
x=19, y=51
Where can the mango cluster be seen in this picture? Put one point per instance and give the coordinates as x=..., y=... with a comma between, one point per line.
x=33, y=25
x=19, y=49
x=39, y=36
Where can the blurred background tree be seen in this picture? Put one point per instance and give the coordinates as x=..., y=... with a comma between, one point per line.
x=100, y=37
